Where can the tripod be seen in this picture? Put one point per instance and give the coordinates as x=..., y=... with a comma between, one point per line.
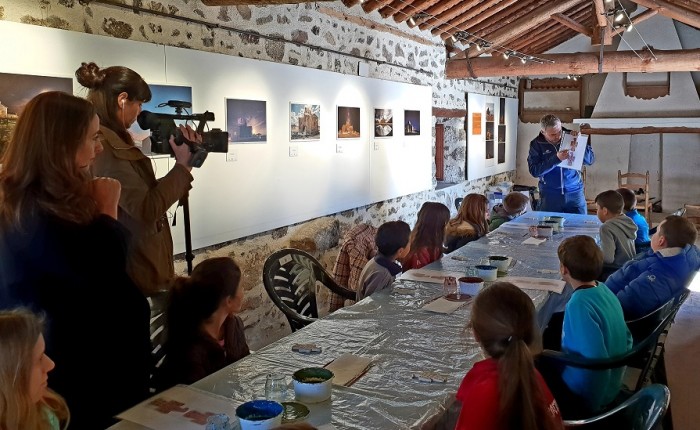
x=189, y=255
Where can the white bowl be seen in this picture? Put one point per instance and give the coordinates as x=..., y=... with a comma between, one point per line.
x=470, y=285
x=313, y=384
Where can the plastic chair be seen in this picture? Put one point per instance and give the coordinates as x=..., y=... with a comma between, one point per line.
x=642, y=411
x=290, y=277
x=635, y=182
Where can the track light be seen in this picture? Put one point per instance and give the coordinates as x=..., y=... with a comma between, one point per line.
x=411, y=21
x=506, y=54
x=453, y=38
x=630, y=27
x=620, y=15
x=523, y=60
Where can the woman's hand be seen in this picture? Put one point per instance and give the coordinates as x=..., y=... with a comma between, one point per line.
x=183, y=155
x=106, y=193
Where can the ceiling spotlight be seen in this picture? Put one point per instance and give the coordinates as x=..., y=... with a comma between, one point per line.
x=630, y=27
x=568, y=76
x=523, y=60
x=479, y=47
x=453, y=38
x=506, y=54
x=411, y=21
x=620, y=15
x=575, y=78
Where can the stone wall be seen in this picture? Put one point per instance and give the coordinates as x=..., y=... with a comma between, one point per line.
x=326, y=36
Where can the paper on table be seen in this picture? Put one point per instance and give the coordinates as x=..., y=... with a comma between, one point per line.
x=553, y=285
x=533, y=241
x=179, y=408
x=442, y=306
x=428, y=275
x=348, y=368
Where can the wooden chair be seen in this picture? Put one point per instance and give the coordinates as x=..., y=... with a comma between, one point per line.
x=591, y=208
x=636, y=182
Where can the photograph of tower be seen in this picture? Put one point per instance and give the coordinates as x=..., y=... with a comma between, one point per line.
x=246, y=120
x=160, y=94
x=16, y=90
x=383, y=123
x=348, y=122
x=304, y=121
x=411, y=120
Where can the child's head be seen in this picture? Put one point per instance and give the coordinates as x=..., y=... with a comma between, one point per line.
x=514, y=203
x=213, y=286
x=24, y=369
x=674, y=231
x=503, y=321
x=474, y=210
x=429, y=231
x=628, y=197
x=609, y=204
x=392, y=239
x=580, y=259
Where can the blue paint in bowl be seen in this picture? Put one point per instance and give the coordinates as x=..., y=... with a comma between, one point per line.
x=259, y=410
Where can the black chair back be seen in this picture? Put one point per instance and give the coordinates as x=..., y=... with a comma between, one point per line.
x=290, y=277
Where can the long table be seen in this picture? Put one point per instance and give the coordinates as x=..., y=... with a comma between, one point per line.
x=400, y=338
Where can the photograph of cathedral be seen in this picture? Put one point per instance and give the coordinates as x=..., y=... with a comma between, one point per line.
x=383, y=123
x=16, y=90
x=160, y=94
x=348, y=122
x=411, y=119
x=246, y=121
x=304, y=121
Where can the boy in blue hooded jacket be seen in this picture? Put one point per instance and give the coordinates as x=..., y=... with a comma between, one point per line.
x=561, y=190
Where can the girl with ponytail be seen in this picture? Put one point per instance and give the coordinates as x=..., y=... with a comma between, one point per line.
x=203, y=332
x=505, y=391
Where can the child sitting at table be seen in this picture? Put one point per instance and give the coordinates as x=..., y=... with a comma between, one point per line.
x=203, y=332
x=662, y=273
x=513, y=205
x=425, y=243
x=471, y=222
x=27, y=402
x=505, y=391
x=631, y=211
x=380, y=271
x=618, y=232
x=593, y=327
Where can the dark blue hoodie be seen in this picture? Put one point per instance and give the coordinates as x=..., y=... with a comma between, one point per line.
x=542, y=161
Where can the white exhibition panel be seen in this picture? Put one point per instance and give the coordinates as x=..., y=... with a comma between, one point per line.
x=263, y=188
x=477, y=164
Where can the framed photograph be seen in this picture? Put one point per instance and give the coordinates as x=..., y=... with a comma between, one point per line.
x=246, y=120
x=304, y=122
x=348, y=122
x=411, y=121
x=16, y=90
x=160, y=94
x=383, y=123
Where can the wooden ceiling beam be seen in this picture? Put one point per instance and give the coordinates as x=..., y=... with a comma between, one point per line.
x=347, y=3
x=502, y=19
x=686, y=16
x=372, y=5
x=572, y=24
x=411, y=9
x=523, y=24
x=482, y=12
x=260, y=2
x=531, y=38
x=450, y=12
x=637, y=19
x=553, y=41
x=599, y=10
x=582, y=63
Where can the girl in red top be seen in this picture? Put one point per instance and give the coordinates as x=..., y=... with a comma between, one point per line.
x=425, y=243
x=505, y=391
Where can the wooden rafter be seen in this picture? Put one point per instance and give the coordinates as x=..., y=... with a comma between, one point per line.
x=413, y=8
x=686, y=16
x=371, y=5
x=599, y=10
x=350, y=3
x=393, y=8
x=639, y=18
x=447, y=13
x=503, y=18
x=552, y=41
x=581, y=63
x=523, y=24
x=481, y=12
x=572, y=24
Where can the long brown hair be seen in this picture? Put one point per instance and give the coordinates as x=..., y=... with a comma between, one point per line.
x=39, y=172
x=473, y=210
x=503, y=320
x=19, y=333
x=429, y=231
x=105, y=85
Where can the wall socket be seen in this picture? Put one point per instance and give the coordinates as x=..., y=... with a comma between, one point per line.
x=293, y=151
x=339, y=148
x=231, y=156
x=376, y=146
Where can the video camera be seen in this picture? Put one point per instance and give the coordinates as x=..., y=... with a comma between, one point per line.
x=163, y=126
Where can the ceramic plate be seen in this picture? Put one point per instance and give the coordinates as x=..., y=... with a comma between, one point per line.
x=294, y=411
x=462, y=297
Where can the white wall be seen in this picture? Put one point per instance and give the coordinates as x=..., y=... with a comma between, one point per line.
x=264, y=188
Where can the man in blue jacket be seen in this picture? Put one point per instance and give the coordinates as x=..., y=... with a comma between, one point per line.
x=644, y=284
x=561, y=189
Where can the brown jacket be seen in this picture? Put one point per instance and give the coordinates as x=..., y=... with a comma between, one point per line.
x=456, y=236
x=143, y=205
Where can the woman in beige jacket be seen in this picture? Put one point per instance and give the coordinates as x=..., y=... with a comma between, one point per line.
x=117, y=94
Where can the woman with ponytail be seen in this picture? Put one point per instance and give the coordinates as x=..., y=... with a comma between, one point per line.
x=505, y=391
x=203, y=332
x=117, y=94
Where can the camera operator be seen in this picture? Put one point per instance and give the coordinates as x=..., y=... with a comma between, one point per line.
x=117, y=94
